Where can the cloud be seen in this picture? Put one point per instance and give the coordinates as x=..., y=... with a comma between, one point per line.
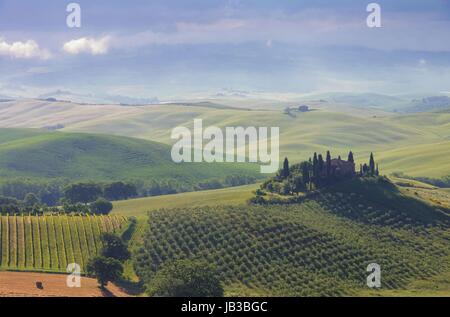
x=28, y=49
x=316, y=27
x=88, y=45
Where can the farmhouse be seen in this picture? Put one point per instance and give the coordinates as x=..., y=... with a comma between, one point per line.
x=342, y=169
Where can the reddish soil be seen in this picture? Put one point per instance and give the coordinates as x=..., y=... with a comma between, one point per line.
x=23, y=284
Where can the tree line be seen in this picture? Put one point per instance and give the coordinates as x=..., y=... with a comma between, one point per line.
x=59, y=191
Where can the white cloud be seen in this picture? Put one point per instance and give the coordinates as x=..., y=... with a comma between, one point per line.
x=28, y=49
x=88, y=45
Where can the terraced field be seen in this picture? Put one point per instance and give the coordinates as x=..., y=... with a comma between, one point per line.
x=48, y=243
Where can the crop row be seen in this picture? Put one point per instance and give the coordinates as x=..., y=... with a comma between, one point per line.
x=51, y=242
x=275, y=248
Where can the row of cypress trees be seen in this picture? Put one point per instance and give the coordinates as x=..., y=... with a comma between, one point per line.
x=315, y=168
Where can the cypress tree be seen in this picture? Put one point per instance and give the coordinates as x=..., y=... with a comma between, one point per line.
x=377, y=172
x=365, y=169
x=328, y=164
x=350, y=157
x=305, y=173
x=360, y=170
x=320, y=168
x=372, y=165
x=321, y=164
x=285, y=172
x=315, y=168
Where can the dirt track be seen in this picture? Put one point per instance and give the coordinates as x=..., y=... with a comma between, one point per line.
x=18, y=284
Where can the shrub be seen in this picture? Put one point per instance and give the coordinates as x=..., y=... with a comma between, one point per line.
x=104, y=269
x=101, y=207
x=114, y=247
x=185, y=278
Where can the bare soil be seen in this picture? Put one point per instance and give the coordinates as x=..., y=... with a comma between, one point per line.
x=24, y=284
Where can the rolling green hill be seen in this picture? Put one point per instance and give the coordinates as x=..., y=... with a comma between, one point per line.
x=81, y=156
x=416, y=144
x=49, y=243
x=320, y=247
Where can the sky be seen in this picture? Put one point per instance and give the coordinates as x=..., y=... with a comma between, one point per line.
x=176, y=49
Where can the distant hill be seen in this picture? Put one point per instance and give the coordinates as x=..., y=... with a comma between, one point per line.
x=37, y=154
x=413, y=143
x=320, y=247
x=97, y=99
x=435, y=103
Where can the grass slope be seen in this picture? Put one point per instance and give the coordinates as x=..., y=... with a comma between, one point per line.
x=317, y=248
x=48, y=243
x=81, y=156
x=227, y=196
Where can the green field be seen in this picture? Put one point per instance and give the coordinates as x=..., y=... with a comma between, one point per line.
x=226, y=196
x=80, y=156
x=317, y=248
x=49, y=243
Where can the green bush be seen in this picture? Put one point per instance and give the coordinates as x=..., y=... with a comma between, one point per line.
x=185, y=278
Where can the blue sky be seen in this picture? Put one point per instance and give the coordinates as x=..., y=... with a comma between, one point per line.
x=172, y=49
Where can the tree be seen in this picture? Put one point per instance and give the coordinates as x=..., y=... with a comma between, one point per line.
x=101, y=207
x=119, y=191
x=321, y=164
x=285, y=172
x=315, y=165
x=365, y=169
x=50, y=195
x=104, y=269
x=82, y=193
x=328, y=164
x=30, y=200
x=350, y=157
x=299, y=184
x=285, y=188
x=377, y=171
x=114, y=247
x=185, y=278
x=372, y=165
x=305, y=168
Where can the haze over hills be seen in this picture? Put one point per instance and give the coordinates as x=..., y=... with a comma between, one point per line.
x=336, y=126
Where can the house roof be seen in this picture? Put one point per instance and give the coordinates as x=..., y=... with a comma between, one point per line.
x=338, y=162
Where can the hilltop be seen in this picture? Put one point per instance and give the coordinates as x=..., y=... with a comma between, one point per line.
x=100, y=157
x=39, y=157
